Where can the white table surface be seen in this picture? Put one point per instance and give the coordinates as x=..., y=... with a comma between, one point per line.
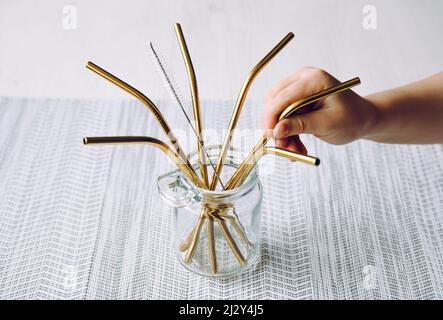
x=80, y=222
x=87, y=222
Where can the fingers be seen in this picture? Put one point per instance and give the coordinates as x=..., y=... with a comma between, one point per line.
x=282, y=100
x=281, y=143
x=312, y=122
x=304, y=83
x=294, y=144
x=289, y=127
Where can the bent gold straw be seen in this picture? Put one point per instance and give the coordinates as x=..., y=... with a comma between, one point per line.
x=211, y=244
x=190, y=244
x=148, y=103
x=240, y=102
x=194, y=237
x=164, y=75
x=170, y=86
x=294, y=156
x=237, y=227
x=200, y=144
x=232, y=124
x=259, y=150
x=297, y=107
x=237, y=179
x=190, y=173
x=195, y=99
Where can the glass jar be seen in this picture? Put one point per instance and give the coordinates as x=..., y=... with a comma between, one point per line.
x=231, y=218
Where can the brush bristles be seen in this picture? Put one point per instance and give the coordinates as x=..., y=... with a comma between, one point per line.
x=165, y=75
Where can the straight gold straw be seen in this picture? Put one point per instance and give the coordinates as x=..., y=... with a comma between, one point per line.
x=240, y=102
x=190, y=173
x=148, y=103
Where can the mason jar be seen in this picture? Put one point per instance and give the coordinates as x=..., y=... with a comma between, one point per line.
x=216, y=233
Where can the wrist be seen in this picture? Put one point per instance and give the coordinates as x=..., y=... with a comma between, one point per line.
x=373, y=125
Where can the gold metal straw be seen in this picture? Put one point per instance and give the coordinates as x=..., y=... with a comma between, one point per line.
x=211, y=244
x=200, y=144
x=195, y=237
x=249, y=163
x=297, y=107
x=191, y=242
x=240, y=102
x=195, y=99
x=159, y=117
x=190, y=173
x=234, y=119
x=170, y=86
x=179, y=157
x=148, y=103
x=237, y=226
x=237, y=179
x=294, y=156
x=259, y=149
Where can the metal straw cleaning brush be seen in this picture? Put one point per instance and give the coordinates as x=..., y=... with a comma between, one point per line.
x=216, y=232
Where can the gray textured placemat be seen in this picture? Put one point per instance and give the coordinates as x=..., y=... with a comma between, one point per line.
x=79, y=222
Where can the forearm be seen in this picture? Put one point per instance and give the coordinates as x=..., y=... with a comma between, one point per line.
x=409, y=114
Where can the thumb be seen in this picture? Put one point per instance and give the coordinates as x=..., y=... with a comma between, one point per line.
x=305, y=123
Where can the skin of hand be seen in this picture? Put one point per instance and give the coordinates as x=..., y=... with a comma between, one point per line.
x=409, y=114
x=337, y=119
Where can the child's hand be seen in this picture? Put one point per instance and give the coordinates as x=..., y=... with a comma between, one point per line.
x=338, y=119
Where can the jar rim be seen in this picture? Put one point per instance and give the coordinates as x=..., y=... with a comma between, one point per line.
x=249, y=183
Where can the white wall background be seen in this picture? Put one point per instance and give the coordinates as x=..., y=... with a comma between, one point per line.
x=38, y=57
